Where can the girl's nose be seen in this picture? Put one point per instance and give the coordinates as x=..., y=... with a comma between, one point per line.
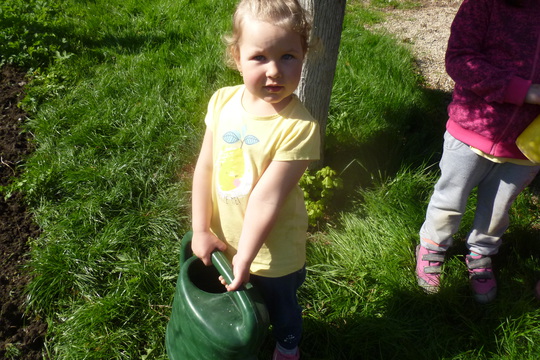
x=272, y=70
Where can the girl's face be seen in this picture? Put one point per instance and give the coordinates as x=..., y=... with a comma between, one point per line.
x=270, y=60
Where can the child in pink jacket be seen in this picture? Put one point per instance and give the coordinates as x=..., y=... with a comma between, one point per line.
x=493, y=56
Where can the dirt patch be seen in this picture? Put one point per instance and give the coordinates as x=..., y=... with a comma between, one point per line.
x=21, y=334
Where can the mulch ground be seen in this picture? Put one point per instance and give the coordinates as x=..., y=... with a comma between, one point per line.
x=21, y=333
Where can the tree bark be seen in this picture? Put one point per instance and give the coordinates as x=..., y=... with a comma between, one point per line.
x=315, y=86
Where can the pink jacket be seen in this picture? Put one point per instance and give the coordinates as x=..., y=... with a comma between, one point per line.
x=493, y=56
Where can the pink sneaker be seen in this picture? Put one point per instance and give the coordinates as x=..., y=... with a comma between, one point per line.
x=428, y=268
x=481, y=278
x=280, y=356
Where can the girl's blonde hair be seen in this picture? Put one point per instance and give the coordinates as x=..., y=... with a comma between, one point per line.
x=288, y=14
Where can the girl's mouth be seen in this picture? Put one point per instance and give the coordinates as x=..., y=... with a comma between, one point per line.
x=273, y=88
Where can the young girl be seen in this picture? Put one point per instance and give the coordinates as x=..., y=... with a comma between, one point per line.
x=493, y=56
x=258, y=142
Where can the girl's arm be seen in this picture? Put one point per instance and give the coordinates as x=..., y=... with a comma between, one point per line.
x=204, y=242
x=263, y=207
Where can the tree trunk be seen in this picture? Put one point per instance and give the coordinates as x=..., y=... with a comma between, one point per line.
x=315, y=87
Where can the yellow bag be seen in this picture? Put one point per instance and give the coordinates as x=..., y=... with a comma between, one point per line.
x=529, y=141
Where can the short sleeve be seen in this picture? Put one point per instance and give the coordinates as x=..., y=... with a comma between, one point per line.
x=301, y=142
x=209, y=119
x=216, y=103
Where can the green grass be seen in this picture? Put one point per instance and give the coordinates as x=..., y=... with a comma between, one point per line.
x=28, y=36
x=361, y=287
x=117, y=112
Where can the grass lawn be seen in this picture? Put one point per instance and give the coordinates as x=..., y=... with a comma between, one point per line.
x=117, y=106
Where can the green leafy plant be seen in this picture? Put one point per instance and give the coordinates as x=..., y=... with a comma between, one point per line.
x=12, y=351
x=29, y=35
x=319, y=188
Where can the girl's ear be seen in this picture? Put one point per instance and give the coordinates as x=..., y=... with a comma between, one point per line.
x=236, y=57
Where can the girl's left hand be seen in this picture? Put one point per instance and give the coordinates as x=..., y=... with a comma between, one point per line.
x=241, y=275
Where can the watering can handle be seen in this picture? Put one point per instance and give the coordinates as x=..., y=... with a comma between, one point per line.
x=224, y=267
x=219, y=260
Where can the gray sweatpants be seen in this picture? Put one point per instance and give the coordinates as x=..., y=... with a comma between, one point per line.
x=498, y=186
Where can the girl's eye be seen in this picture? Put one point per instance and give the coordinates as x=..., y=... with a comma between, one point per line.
x=288, y=57
x=258, y=58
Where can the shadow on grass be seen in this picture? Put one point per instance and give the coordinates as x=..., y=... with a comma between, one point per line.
x=407, y=323
x=402, y=322
x=447, y=325
x=409, y=143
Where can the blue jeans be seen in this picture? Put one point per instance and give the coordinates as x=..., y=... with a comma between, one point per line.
x=285, y=313
x=498, y=186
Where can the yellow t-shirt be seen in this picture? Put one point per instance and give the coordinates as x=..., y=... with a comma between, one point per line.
x=243, y=147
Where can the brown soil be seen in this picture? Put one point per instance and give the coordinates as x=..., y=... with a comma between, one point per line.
x=21, y=333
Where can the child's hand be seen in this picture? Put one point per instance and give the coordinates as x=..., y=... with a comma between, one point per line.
x=204, y=243
x=241, y=275
x=533, y=95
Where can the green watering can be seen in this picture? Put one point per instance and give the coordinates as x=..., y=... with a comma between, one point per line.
x=207, y=322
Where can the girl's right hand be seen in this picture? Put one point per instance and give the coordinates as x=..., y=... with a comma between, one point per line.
x=204, y=243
